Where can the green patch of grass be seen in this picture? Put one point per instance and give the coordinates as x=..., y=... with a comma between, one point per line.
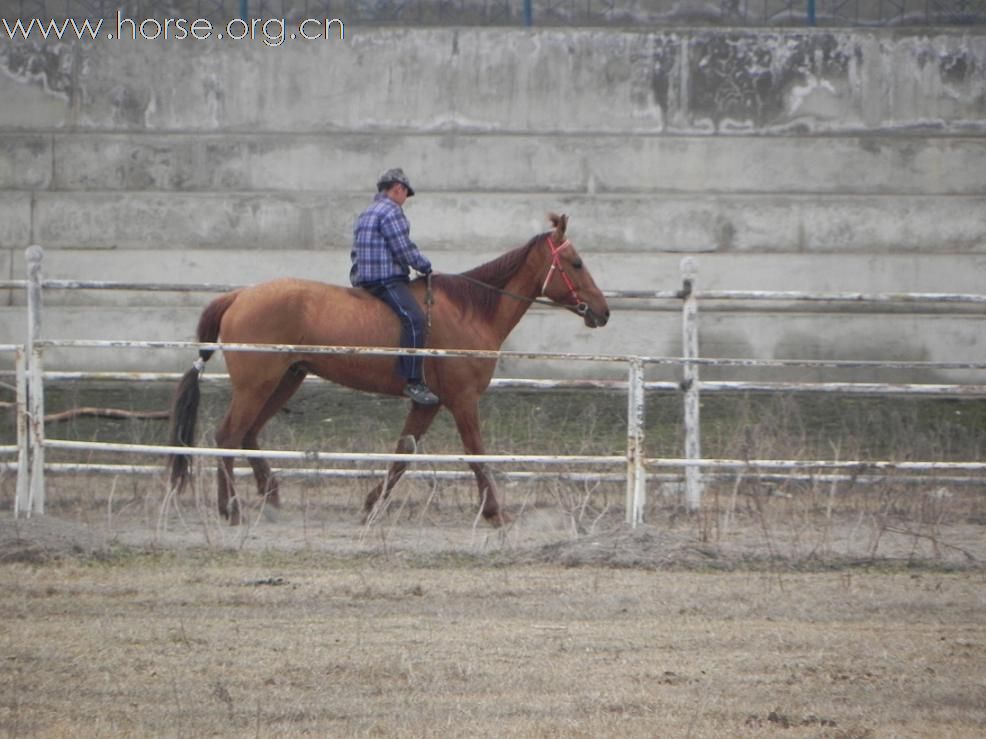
x=799, y=426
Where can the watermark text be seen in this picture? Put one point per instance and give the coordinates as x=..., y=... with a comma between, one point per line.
x=271, y=31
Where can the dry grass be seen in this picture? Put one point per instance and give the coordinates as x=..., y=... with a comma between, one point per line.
x=309, y=644
x=795, y=609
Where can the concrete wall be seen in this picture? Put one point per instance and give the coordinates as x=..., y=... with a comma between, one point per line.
x=779, y=159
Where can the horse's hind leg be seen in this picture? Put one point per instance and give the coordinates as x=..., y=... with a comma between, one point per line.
x=243, y=410
x=267, y=486
x=225, y=490
x=417, y=423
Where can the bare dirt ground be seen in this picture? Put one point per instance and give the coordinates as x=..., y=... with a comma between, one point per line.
x=126, y=614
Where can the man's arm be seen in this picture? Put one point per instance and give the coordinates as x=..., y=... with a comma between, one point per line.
x=397, y=231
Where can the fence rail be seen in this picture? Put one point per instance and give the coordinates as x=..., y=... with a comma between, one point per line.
x=637, y=468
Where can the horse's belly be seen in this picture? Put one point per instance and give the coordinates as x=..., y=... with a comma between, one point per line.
x=374, y=374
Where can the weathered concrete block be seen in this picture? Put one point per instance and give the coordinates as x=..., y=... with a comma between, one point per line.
x=748, y=223
x=25, y=162
x=496, y=79
x=37, y=84
x=522, y=163
x=886, y=337
x=7, y=270
x=108, y=323
x=477, y=222
x=15, y=219
x=826, y=165
x=168, y=220
x=819, y=273
x=235, y=267
x=833, y=81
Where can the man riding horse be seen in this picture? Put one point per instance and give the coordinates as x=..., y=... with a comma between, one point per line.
x=382, y=256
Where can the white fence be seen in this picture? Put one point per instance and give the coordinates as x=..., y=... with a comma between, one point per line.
x=634, y=467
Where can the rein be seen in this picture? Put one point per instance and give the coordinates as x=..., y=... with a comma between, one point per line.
x=507, y=293
x=429, y=299
x=580, y=307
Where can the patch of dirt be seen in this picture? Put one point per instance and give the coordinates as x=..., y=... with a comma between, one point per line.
x=536, y=537
x=643, y=547
x=45, y=538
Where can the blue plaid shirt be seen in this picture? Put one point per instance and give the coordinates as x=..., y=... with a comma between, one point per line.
x=382, y=247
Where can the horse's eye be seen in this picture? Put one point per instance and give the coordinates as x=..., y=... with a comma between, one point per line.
x=577, y=264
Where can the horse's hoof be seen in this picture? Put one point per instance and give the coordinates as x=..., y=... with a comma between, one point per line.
x=497, y=519
x=234, y=513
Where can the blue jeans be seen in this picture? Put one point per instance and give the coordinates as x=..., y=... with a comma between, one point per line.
x=397, y=295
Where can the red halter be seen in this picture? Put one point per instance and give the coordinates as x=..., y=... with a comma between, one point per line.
x=579, y=306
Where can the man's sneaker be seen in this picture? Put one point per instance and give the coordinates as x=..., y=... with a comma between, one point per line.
x=420, y=394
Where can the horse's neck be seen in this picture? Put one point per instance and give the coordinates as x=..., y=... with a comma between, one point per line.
x=522, y=290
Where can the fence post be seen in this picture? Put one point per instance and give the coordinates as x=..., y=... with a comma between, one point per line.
x=636, y=475
x=22, y=500
x=690, y=383
x=34, y=387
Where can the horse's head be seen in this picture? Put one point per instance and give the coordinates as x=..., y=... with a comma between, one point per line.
x=567, y=280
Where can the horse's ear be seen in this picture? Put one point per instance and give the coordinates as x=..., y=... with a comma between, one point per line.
x=560, y=222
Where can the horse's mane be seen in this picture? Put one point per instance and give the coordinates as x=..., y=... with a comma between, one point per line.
x=464, y=291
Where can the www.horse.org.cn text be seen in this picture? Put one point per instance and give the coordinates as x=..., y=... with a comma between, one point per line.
x=271, y=31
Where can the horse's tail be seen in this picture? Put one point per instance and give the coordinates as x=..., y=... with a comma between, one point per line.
x=185, y=408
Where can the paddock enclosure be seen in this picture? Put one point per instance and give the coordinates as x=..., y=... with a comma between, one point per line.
x=751, y=505
x=800, y=602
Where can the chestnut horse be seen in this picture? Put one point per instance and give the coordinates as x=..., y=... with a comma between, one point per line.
x=474, y=310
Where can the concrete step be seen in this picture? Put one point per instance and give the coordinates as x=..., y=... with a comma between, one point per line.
x=495, y=222
x=521, y=163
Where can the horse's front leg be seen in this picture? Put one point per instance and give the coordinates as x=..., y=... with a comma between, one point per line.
x=487, y=495
x=417, y=423
x=467, y=422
